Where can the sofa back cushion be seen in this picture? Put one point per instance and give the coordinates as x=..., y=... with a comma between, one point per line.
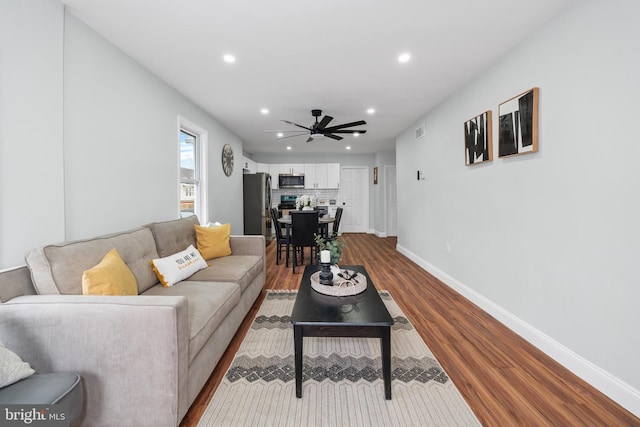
x=58, y=268
x=174, y=236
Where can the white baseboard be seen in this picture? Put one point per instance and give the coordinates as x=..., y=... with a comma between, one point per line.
x=380, y=234
x=619, y=391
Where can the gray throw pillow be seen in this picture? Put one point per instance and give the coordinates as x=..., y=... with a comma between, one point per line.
x=12, y=368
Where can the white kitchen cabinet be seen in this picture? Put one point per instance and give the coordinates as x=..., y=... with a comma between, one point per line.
x=316, y=175
x=291, y=168
x=321, y=175
x=333, y=175
x=310, y=182
x=274, y=171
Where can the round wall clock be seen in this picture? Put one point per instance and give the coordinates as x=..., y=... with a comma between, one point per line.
x=227, y=159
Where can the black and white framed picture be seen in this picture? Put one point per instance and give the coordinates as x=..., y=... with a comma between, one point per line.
x=478, y=145
x=518, y=122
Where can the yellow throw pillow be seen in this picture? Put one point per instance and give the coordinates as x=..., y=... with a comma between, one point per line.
x=110, y=277
x=213, y=242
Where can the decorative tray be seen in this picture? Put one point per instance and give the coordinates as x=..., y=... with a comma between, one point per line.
x=341, y=286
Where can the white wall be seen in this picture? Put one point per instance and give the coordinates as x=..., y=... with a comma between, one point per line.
x=382, y=159
x=547, y=242
x=88, y=137
x=121, y=149
x=31, y=173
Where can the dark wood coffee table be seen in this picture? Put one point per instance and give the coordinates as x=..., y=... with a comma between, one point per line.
x=318, y=315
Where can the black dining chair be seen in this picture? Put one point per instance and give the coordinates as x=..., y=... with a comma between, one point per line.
x=281, y=240
x=304, y=227
x=336, y=224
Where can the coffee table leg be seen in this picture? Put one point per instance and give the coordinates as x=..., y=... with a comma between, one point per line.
x=297, y=344
x=385, y=344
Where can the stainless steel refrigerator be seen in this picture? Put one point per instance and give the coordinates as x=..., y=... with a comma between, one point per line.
x=257, y=204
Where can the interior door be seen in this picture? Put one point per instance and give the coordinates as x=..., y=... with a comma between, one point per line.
x=354, y=184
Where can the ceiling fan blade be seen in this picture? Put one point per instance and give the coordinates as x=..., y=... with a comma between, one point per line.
x=349, y=131
x=336, y=137
x=292, y=136
x=323, y=123
x=346, y=125
x=295, y=124
x=283, y=131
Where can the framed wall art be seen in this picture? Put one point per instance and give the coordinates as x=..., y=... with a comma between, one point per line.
x=518, y=122
x=478, y=145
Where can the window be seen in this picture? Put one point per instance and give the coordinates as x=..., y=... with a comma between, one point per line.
x=189, y=173
x=192, y=200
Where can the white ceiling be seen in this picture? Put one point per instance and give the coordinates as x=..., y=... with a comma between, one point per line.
x=298, y=55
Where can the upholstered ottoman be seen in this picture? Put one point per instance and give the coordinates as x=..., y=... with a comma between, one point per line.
x=47, y=389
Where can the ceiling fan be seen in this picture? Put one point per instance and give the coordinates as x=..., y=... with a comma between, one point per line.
x=319, y=128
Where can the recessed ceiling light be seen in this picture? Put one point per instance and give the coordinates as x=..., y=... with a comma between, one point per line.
x=405, y=57
x=356, y=134
x=371, y=111
x=229, y=58
x=288, y=147
x=264, y=111
x=280, y=134
x=348, y=147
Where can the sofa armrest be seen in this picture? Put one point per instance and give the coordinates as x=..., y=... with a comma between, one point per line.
x=248, y=245
x=15, y=282
x=131, y=351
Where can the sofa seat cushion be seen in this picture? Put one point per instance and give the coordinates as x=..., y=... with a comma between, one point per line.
x=208, y=304
x=240, y=269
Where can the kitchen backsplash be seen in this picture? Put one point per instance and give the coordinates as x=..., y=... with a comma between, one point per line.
x=322, y=196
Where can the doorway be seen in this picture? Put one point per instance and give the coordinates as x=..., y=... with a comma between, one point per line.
x=354, y=185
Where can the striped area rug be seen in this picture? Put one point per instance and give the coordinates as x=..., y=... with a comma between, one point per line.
x=342, y=379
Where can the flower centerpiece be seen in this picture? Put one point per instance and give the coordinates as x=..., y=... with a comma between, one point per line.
x=334, y=246
x=306, y=202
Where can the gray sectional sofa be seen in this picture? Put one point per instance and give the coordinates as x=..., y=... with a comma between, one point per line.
x=143, y=359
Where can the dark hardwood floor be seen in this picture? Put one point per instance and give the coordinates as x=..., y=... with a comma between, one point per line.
x=505, y=380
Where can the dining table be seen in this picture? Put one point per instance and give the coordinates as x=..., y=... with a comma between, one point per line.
x=323, y=225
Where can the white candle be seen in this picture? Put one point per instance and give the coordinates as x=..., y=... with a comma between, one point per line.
x=325, y=256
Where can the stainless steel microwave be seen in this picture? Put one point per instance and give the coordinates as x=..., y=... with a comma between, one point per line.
x=291, y=180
